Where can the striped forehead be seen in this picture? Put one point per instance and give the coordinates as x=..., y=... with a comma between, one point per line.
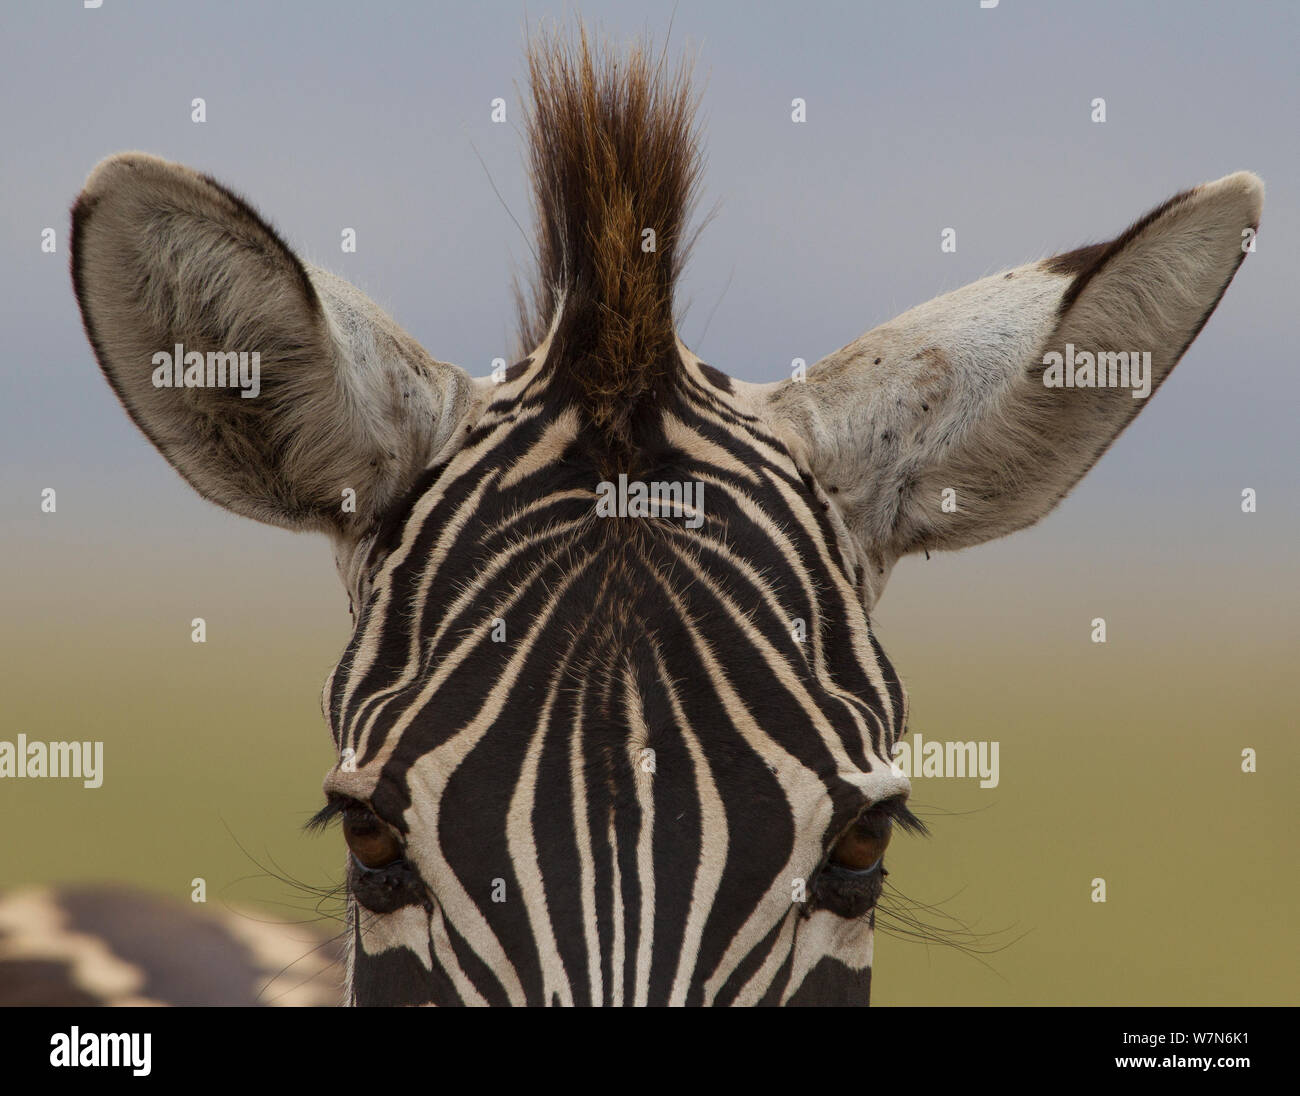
x=499, y=597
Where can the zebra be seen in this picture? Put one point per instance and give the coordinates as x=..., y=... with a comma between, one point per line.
x=640, y=752
x=77, y=946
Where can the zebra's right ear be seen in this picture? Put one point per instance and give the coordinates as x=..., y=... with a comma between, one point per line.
x=955, y=422
x=181, y=284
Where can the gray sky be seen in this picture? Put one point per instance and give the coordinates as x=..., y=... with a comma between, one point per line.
x=920, y=116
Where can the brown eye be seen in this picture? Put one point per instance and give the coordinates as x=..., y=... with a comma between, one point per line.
x=863, y=844
x=371, y=842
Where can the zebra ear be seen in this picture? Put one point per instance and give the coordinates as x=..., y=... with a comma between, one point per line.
x=945, y=428
x=275, y=389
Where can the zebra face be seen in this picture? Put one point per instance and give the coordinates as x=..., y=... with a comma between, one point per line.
x=614, y=757
x=613, y=725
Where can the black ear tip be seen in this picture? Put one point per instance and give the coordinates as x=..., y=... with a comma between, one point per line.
x=83, y=207
x=80, y=213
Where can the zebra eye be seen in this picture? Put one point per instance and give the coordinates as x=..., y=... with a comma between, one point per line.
x=863, y=845
x=372, y=843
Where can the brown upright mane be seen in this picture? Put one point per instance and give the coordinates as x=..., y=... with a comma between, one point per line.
x=612, y=151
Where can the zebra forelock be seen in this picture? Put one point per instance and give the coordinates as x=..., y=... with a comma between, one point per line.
x=615, y=162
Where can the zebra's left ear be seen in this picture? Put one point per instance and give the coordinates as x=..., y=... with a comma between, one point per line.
x=949, y=425
x=277, y=390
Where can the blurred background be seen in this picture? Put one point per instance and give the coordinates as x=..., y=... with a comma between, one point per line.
x=1120, y=761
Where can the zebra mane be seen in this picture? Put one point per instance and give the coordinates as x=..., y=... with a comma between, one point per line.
x=613, y=152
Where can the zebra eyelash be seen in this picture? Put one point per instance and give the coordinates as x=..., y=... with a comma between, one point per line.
x=905, y=820
x=336, y=805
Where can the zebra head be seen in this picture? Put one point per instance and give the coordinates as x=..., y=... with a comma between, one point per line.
x=613, y=725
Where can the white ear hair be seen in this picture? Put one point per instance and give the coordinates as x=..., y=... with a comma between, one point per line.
x=342, y=401
x=937, y=429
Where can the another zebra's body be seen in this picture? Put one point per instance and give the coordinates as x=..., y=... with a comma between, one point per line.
x=95, y=945
x=640, y=757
